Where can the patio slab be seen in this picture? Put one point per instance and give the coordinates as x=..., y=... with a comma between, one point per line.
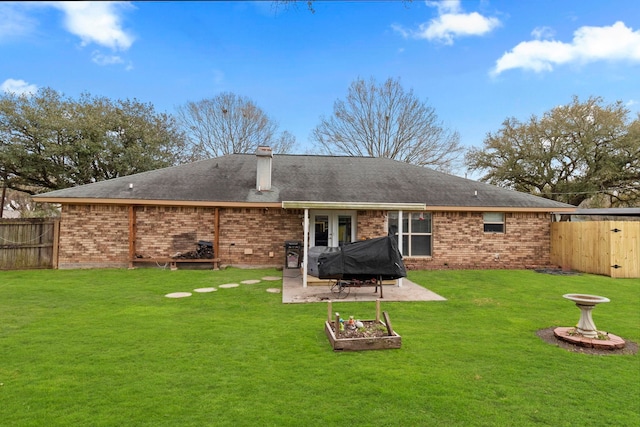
x=294, y=292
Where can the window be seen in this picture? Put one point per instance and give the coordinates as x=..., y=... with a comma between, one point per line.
x=415, y=237
x=493, y=222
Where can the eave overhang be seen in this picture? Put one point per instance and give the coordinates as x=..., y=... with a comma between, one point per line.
x=146, y=202
x=498, y=209
x=361, y=206
x=298, y=205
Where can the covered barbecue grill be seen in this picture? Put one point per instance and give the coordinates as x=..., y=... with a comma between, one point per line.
x=367, y=262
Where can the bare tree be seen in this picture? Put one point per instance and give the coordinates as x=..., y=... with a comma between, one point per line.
x=387, y=121
x=227, y=124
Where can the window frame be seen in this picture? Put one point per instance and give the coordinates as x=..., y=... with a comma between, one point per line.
x=493, y=223
x=403, y=235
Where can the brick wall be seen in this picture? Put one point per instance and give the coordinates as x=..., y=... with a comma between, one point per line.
x=256, y=236
x=163, y=231
x=93, y=236
x=460, y=242
x=97, y=236
x=371, y=224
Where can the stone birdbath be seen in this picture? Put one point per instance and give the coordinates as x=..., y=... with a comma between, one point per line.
x=585, y=334
x=586, y=303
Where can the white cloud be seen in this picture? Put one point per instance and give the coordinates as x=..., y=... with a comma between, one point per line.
x=451, y=23
x=449, y=26
x=18, y=87
x=400, y=30
x=445, y=6
x=14, y=22
x=542, y=33
x=96, y=22
x=101, y=59
x=614, y=43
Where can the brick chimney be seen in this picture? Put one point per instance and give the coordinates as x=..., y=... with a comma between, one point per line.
x=263, y=175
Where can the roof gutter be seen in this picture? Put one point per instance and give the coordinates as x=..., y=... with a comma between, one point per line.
x=363, y=206
x=298, y=205
x=498, y=209
x=607, y=212
x=155, y=202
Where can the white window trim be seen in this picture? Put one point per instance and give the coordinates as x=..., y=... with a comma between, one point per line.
x=401, y=234
x=503, y=223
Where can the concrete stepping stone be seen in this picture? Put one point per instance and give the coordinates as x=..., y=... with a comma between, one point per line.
x=229, y=285
x=203, y=290
x=178, y=295
x=250, y=282
x=273, y=290
x=271, y=278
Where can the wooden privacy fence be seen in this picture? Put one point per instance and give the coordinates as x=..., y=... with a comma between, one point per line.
x=28, y=243
x=610, y=248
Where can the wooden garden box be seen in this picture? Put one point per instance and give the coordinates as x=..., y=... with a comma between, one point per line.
x=391, y=340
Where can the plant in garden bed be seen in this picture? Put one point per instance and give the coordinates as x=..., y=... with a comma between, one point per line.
x=369, y=329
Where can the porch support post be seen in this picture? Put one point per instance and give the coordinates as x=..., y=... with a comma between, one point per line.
x=305, y=256
x=55, y=256
x=132, y=235
x=216, y=239
x=400, y=244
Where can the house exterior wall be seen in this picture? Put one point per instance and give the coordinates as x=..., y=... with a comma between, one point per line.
x=371, y=224
x=256, y=236
x=164, y=231
x=459, y=242
x=98, y=236
x=93, y=236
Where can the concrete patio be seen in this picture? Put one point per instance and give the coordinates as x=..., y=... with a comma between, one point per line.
x=294, y=292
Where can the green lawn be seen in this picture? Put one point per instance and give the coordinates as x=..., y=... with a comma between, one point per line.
x=106, y=348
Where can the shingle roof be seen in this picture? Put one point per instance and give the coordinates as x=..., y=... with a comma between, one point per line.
x=608, y=212
x=232, y=178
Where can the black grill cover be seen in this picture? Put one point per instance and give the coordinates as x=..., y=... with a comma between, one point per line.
x=313, y=255
x=363, y=260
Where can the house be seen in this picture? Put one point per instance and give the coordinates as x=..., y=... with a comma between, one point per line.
x=250, y=205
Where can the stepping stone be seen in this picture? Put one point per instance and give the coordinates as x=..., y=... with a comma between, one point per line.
x=178, y=295
x=273, y=290
x=271, y=278
x=229, y=285
x=201, y=290
x=250, y=282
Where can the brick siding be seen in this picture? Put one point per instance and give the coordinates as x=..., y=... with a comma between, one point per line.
x=97, y=236
x=164, y=231
x=93, y=236
x=371, y=224
x=459, y=242
x=262, y=232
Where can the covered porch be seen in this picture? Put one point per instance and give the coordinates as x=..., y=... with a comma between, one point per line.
x=335, y=214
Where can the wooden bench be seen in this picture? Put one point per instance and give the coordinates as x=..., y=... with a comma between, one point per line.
x=173, y=262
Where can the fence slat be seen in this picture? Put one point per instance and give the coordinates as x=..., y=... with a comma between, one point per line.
x=610, y=248
x=27, y=243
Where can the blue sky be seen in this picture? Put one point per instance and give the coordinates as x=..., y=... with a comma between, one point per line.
x=475, y=62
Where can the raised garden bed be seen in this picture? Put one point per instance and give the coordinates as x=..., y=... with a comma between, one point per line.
x=372, y=335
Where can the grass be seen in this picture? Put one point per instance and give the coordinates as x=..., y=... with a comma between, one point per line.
x=106, y=348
